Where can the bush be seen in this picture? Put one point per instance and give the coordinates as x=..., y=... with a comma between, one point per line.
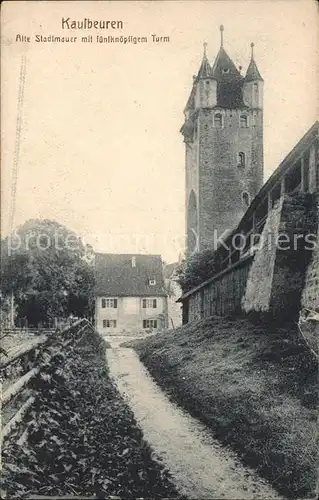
x=83, y=438
x=198, y=268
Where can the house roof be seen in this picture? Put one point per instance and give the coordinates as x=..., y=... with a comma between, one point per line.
x=115, y=275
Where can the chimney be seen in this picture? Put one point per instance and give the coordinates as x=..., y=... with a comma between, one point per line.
x=133, y=261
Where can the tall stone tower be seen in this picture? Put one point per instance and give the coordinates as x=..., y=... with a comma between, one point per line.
x=223, y=135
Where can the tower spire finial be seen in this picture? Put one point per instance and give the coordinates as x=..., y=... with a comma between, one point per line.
x=205, y=47
x=221, y=35
x=252, y=50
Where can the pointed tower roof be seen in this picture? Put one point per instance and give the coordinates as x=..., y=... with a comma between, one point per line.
x=224, y=69
x=205, y=68
x=229, y=79
x=252, y=71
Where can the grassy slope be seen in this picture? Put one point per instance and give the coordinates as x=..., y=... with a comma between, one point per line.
x=254, y=386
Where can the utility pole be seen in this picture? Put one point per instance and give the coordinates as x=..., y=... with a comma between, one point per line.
x=12, y=310
x=16, y=162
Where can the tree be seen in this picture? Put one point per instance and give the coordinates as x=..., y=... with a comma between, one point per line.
x=198, y=268
x=46, y=267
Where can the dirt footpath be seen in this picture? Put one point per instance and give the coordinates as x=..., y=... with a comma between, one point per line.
x=199, y=465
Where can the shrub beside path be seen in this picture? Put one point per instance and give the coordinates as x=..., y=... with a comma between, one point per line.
x=80, y=439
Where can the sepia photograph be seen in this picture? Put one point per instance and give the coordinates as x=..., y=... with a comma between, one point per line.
x=159, y=293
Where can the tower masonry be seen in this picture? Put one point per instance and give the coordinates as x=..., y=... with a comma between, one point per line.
x=223, y=136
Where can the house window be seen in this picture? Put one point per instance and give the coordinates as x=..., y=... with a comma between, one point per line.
x=149, y=323
x=241, y=159
x=243, y=121
x=245, y=199
x=109, y=323
x=218, y=120
x=109, y=303
x=149, y=303
x=152, y=282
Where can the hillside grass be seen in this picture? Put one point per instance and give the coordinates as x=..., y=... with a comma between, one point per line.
x=254, y=386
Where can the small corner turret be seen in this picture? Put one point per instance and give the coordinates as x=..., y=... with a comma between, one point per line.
x=253, y=84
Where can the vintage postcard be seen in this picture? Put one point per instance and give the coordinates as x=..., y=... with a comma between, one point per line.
x=159, y=249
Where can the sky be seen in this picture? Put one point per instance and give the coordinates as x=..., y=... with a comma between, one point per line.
x=100, y=147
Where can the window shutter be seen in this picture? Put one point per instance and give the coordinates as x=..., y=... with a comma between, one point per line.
x=144, y=303
x=115, y=303
x=154, y=303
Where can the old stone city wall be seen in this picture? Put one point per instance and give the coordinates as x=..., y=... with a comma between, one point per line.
x=278, y=278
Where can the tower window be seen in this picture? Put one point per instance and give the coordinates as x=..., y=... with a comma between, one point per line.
x=241, y=159
x=243, y=121
x=195, y=132
x=218, y=120
x=256, y=94
x=225, y=70
x=245, y=199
